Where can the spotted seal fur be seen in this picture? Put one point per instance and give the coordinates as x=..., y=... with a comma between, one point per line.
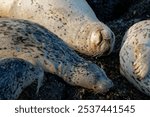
x=135, y=56
x=15, y=75
x=72, y=20
x=35, y=44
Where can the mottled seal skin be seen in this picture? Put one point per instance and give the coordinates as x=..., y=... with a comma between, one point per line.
x=71, y=20
x=15, y=75
x=135, y=56
x=35, y=44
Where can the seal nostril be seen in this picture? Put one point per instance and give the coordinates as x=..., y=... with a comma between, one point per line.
x=94, y=87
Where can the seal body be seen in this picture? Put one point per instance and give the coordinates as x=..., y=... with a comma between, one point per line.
x=135, y=56
x=35, y=44
x=15, y=75
x=71, y=20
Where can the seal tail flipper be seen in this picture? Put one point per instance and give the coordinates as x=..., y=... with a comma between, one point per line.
x=141, y=66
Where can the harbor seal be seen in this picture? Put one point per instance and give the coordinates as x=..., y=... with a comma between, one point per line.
x=15, y=75
x=73, y=21
x=135, y=56
x=35, y=44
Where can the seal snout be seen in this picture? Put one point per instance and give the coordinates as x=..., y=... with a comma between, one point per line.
x=102, y=40
x=109, y=39
x=96, y=37
x=100, y=82
x=103, y=86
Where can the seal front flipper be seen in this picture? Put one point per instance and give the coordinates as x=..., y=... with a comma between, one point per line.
x=135, y=56
x=141, y=64
x=15, y=75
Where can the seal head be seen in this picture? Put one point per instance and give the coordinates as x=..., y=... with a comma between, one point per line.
x=95, y=39
x=90, y=76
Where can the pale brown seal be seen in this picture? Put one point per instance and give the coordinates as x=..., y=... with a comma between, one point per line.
x=72, y=20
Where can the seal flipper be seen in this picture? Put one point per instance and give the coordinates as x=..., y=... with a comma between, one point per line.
x=40, y=78
x=141, y=66
x=15, y=75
